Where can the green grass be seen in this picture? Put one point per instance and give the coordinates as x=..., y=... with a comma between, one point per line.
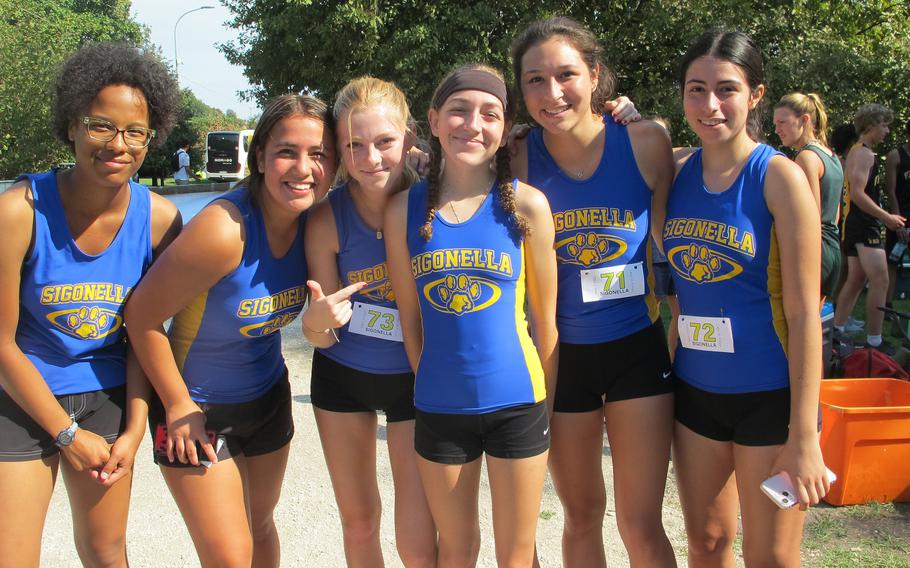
x=874, y=534
x=871, y=510
x=858, y=536
x=889, y=334
x=170, y=181
x=823, y=529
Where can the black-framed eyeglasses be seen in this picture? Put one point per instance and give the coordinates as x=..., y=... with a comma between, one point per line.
x=104, y=131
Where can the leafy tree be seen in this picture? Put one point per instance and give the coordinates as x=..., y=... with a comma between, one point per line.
x=35, y=37
x=193, y=122
x=850, y=51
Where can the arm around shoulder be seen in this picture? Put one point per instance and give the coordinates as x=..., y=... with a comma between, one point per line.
x=654, y=156
x=398, y=261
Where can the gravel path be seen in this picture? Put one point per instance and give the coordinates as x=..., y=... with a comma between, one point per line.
x=306, y=516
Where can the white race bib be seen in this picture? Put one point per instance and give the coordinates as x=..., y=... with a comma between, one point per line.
x=375, y=321
x=706, y=334
x=614, y=282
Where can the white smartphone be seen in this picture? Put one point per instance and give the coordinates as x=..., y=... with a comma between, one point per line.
x=779, y=489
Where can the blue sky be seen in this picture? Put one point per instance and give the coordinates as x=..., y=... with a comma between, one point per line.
x=203, y=69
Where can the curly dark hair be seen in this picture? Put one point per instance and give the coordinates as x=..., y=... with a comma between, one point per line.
x=95, y=66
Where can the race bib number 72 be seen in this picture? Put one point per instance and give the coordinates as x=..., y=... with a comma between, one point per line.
x=706, y=334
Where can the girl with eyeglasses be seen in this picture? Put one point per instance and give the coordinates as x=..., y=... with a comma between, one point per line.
x=76, y=243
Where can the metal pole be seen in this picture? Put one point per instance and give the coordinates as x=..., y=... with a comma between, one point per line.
x=176, y=61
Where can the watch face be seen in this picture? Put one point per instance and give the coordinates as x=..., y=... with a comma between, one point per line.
x=65, y=438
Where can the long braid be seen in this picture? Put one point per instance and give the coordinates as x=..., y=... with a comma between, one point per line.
x=506, y=193
x=426, y=231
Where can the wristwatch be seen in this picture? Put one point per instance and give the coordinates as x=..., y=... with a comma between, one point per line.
x=66, y=436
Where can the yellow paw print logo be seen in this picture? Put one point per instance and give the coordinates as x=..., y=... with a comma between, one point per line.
x=459, y=293
x=88, y=323
x=380, y=292
x=700, y=264
x=588, y=249
x=384, y=291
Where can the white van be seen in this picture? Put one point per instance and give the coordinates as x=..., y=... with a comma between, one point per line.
x=226, y=154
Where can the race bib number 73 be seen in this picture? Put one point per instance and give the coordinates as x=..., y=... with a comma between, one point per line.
x=706, y=334
x=375, y=321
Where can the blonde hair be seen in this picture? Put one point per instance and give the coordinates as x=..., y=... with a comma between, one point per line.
x=368, y=92
x=869, y=115
x=811, y=105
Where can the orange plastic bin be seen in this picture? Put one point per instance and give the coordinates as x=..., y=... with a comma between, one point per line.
x=866, y=439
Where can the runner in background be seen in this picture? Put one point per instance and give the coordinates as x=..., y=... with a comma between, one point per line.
x=897, y=184
x=801, y=122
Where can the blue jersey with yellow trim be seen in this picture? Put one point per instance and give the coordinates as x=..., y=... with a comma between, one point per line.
x=71, y=303
x=602, y=229
x=227, y=341
x=726, y=267
x=477, y=354
x=361, y=258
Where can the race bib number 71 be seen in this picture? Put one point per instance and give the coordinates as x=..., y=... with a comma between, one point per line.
x=706, y=334
x=613, y=282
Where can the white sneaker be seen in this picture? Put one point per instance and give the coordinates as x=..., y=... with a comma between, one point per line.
x=854, y=325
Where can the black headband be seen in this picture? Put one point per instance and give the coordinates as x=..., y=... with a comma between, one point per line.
x=473, y=80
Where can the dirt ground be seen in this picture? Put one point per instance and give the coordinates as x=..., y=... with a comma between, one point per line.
x=311, y=534
x=306, y=516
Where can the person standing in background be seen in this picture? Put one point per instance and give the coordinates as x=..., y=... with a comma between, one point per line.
x=801, y=122
x=866, y=259
x=183, y=172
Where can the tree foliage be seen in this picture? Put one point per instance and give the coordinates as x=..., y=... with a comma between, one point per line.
x=193, y=122
x=849, y=51
x=35, y=38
